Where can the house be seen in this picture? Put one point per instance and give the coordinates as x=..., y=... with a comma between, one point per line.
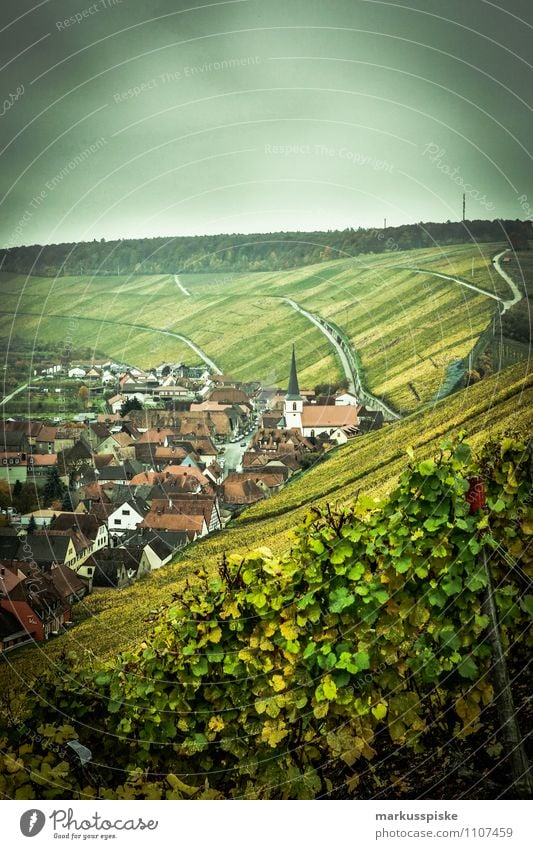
x=93, y=374
x=77, y=372
x=12, y=634
x=127, y=516
x=240, y=492
x=14, y=438
x=174, y=391
x=42, y=518
x=87, y=524
x=229, y=395
x=370, y=420
x=45, y=550
x=346, y=399
x=34, y=601
x=165, y=516
x=9, y=544
x=39, y=465
x=96, y=435
x=13, y=466
x=161, y=547
x=70, y=587
x=115, y=402
x=117, y=567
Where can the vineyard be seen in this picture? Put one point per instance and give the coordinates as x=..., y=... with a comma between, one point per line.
x=314, y=672
x=406, y=328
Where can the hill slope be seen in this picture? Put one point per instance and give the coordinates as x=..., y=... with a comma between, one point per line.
x=408, y=328
x=110, y=622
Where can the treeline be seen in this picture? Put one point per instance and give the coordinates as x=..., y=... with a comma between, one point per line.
x=250, y=252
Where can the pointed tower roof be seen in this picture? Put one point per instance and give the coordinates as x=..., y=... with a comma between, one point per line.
x=294, y=390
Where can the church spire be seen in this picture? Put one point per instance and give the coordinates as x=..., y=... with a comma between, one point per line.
x=294, y=390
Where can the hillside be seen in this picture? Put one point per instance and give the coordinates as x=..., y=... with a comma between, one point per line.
x=408, y=328
x=110, y=622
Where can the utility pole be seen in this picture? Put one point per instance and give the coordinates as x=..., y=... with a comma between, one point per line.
x=464, y=207
x=384, y=223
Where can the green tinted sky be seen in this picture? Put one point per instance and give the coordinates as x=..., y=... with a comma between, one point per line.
x=253, y=116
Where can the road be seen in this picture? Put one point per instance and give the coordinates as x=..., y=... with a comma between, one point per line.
x=233, y=451
x=180, y=286
x=517, y=295
x=349, y=364
x=17, y=390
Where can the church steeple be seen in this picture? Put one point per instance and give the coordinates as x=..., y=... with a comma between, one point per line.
x=293, y=403
x=294, y=390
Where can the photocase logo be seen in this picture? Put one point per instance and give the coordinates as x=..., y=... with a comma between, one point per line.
x=32, y=822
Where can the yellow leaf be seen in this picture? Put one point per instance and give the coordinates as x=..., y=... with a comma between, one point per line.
x=177, y=784
x=273, y=733
x=278, y=683
x=215, y=724
x=215, y=635
x=352, y=783
x=289, y=630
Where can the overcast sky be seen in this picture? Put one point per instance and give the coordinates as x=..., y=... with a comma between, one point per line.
x=164, y=118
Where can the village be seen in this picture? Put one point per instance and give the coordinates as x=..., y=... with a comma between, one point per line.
x=98, y=501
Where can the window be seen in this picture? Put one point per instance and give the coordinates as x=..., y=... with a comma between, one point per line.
x=117, y=521
x=126, y=512
x=294, y=405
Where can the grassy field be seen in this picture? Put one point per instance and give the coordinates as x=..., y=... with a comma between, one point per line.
x=110, y=621
x=407, y=328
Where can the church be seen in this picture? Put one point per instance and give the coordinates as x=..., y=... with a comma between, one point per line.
x=338, y=422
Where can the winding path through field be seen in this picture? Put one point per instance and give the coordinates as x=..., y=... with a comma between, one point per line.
x=180, y=286
x=348, y=360
x=517, y=295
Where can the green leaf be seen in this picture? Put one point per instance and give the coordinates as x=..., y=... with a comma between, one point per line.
x=452, y=586
x=468, y=669
x=309, y=650
x=356, y=572
x=527, y=604
x=362, y=660
x=462, y=452
x=343, y=550
x=339, y=599
x=402, y=564
x=426, y=467
x=380, y=711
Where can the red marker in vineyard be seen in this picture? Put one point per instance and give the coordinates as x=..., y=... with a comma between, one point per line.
x=476, y=494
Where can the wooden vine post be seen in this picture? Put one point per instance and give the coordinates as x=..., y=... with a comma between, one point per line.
x=513, y=746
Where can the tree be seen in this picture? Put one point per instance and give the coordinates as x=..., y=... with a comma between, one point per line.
x=66, y=501
x=54, y=488
x=26, y=498
x=32, y=525
x=5, y=495
x=84, y=394
x=130, y=404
